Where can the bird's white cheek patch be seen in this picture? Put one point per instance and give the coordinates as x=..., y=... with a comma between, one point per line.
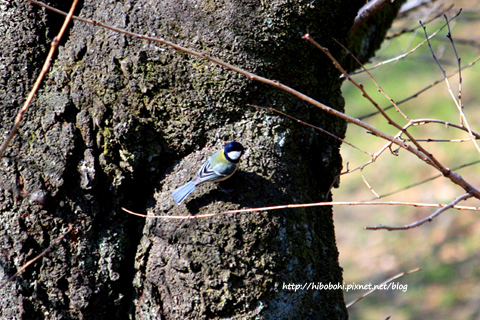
x=234, y=155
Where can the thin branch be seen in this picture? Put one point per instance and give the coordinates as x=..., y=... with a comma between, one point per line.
x=459, y=108
x=405, y=54
x=304, y=205
x=428, y=157
x=426, y=180
x=441, y=140
x=459, y=62
x=368, y=185
x=415, y=95
x=311, y=126
x=360, y=87
x=454, y=177
x=438, y=15
x=43, y=72
x=376, y=155
x=45, y=252
x=390, y=121
x=366, y=294
x=420, y=222
x=447, y=124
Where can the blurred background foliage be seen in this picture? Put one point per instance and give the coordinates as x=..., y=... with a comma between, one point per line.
x=448, y=248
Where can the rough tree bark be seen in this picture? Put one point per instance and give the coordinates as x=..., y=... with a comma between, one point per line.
x=122, y=122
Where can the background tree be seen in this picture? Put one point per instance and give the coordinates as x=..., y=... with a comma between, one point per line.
x=122, y=121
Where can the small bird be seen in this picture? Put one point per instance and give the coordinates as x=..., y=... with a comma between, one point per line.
x=220, y=166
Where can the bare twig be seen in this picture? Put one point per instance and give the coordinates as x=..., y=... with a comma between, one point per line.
x=441, y=140
x=304, y=205
x=368, y=185
x=415, y=122
x=438, y=15
x=459, y=107
x=375, y=156
x=426, y=180
x=39, y=80
x=379, y=89
x=311, y=126
x=447, y=124
x=459, y=62
x=45, y=252
x=415, y=95
x=420, y=222
x=366, y=294
x=428, y=158
x=404, y=54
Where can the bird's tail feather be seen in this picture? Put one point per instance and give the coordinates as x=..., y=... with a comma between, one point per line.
x=181, y=193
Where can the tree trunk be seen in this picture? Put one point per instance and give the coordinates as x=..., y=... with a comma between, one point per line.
x=121, y=122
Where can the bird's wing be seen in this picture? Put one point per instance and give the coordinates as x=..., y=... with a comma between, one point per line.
x=206, y=172
x=217, y=172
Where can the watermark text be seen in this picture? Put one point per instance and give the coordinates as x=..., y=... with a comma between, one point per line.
x=345, y=287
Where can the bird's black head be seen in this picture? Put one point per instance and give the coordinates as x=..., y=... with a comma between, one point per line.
x=233, y=151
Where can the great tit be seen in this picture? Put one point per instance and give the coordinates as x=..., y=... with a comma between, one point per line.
x=220, y=166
